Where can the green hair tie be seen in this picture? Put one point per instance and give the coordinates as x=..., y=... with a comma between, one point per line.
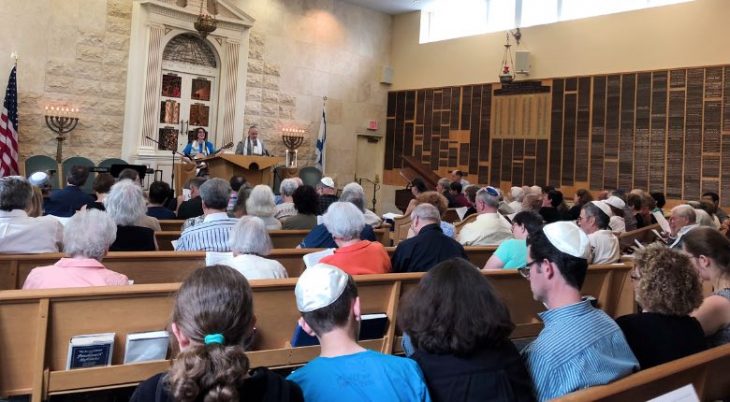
x=214, y=338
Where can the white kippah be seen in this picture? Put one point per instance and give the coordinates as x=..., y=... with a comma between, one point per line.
x=319, y=286
x=615, y=202
x=327, y=181
x=38, y=178
x=603, y=207
x=568, y=238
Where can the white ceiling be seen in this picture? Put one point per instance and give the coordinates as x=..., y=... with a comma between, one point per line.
x=391, y=6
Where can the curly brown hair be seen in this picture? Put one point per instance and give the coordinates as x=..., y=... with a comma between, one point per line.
x=668, y=283
x=435, y=199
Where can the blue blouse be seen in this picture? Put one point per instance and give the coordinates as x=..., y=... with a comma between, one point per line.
x=189, y=151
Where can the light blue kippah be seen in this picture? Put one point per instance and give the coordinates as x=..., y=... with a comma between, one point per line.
x=214, y=338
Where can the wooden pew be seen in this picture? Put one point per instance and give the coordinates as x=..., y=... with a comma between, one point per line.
x=145, y=267
x=644, y=235
x=604, y=282
x=171, y=224
x=279, y=238
x=35, y=346
x=469, y=219
x=44, y=320
x=707, y=371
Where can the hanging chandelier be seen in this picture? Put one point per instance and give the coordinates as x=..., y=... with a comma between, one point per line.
x=506, y=74
x=206, y=23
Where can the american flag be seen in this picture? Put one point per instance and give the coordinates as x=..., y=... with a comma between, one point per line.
x=9, y=130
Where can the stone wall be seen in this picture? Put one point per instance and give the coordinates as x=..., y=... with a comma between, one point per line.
x=75, y=53
x=83, y=65
x=301, y=51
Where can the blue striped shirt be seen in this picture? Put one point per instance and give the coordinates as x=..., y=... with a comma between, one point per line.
x=579, y=347
x=211, y=235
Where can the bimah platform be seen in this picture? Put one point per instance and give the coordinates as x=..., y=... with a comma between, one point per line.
x=256, y=169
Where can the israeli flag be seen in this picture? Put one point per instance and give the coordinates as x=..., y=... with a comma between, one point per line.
x=321, y=138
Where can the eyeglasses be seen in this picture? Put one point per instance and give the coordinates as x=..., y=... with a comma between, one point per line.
x=525, y=271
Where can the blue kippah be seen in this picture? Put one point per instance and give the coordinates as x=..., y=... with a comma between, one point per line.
x=213, y=338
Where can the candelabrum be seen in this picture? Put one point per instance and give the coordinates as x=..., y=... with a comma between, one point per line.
x=293, y=139
x=61, y=120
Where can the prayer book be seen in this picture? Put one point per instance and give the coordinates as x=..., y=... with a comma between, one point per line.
x=90, y=350
x=146, y=346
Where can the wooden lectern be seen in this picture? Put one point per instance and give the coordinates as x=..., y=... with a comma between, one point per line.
x=256, y=169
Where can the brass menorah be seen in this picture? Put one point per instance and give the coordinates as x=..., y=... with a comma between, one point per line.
x=293, y=139
x=61, y=121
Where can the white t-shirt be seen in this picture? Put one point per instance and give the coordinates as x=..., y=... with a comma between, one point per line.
x=605, y=247
x=255, y=267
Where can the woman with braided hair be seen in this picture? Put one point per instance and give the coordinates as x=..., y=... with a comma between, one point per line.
x=212, y=320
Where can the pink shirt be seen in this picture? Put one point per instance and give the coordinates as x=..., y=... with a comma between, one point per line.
x=73, y=273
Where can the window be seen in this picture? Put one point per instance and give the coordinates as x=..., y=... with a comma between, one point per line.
x=448, y=19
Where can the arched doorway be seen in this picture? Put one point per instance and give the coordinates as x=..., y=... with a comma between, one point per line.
x=189, y=91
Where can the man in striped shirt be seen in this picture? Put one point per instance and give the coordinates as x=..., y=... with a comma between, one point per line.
x=212, y=233
x=580, y=345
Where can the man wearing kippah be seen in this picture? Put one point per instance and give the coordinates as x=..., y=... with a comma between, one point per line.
x=594, y=220
x=580, y=345
x=490, y=228
x=345, y=371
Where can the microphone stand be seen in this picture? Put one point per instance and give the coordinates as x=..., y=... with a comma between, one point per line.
x=174, y=152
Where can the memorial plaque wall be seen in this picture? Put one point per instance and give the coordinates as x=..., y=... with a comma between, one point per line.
x=665, y=130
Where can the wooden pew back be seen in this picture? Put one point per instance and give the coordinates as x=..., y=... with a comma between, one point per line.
x=706, y=371
x=39, y=341
x=171, y=224
x=145, y=267
x=279, y=238
x=644, y=235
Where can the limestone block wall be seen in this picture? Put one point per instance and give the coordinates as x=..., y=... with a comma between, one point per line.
x=77, y=57
x=75, y=52
x=301, y=51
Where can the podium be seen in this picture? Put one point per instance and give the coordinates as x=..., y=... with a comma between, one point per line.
x=256, y=169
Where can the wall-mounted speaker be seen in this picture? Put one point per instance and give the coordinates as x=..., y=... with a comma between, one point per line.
x=522, y=62
x=386, y=75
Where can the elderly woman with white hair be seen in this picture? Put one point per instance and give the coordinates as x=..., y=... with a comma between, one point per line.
x=125, y=204
x=354, y=256
x=250, y=243
x=286, y=190
x=517, y=194
x=260, y=203
x=354, y=191
x=87, y=238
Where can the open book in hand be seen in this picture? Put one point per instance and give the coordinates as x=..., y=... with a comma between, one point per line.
x=312, y=259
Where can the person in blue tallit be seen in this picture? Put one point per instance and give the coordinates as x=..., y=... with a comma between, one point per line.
x=200, y=147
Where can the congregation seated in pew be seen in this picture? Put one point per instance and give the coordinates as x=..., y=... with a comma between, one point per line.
x=305, y=204
x=512, y=253
x=354, y=256
x=87, y=238
x=20, y=233
x=329, y=304
x=212, y=320
x=126, y=206
x=212, y=233
x=709, y=253
x=159, y=194
x=464, y=356
x=668, y=289
x=261, y=203
x=429, y=247
x=576, y=335
x=250, y=244
x=490, y=227
x=320, y=237
x=287, y=206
